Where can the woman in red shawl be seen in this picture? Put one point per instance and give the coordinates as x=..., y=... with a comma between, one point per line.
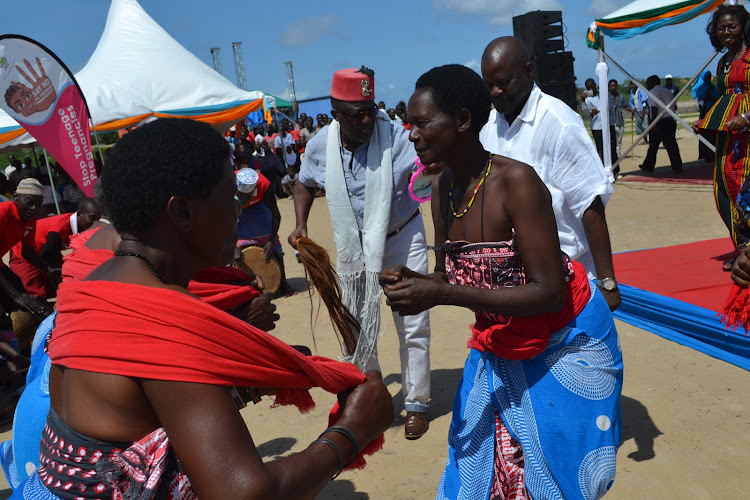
x=142, y=370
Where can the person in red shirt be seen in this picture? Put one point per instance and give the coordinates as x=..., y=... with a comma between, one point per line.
x=52, y=233
x=18, y=220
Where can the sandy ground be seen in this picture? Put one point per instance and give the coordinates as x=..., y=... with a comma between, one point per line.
x=685, y=428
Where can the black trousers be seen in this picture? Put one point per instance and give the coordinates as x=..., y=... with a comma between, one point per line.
x=599, y=140
x=664, y=132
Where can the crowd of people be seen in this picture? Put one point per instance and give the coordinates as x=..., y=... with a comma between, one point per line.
x=519, y=195
x=643, y=110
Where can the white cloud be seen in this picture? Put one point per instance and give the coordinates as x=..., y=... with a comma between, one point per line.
x=310, y=29
x=390, y=86
x=474, y=64
x=497, y=12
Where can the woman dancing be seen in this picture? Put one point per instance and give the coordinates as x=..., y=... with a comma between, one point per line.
x=537, y=413
x=146, y=378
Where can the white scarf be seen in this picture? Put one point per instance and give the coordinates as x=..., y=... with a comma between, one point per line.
x=360, y=254
x=74, y=222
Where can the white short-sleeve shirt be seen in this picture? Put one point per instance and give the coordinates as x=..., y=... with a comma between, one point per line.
x=552, y=138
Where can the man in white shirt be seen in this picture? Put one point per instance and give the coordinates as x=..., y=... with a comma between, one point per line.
x=592, y=107
x=542, y=131
x=286, y=143
x=665, y=129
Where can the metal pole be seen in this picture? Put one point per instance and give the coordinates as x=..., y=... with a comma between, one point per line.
x=632, y=133
x=51, y=182
x=93, y=129
x=665, y=108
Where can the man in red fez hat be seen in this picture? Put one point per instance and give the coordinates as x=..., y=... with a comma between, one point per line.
x=365, y=163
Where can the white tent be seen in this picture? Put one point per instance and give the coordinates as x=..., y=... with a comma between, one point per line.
x=139, y=72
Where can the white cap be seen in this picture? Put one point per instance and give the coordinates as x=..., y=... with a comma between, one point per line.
x=30, y=186
x=668, y=77
x=247, y=180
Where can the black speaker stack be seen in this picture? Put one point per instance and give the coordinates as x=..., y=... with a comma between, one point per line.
x=542, y=32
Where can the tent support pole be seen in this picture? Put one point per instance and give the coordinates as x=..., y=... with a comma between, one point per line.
x=51, y=182
x=604, y=117
x=665, y=108
x=93, y=129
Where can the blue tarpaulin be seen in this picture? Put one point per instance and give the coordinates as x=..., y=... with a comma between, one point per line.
x=684, y=323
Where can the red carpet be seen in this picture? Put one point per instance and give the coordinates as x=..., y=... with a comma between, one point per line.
x=699, y=173
x=690, y=273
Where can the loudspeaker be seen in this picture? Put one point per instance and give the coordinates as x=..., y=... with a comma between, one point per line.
x=542, y=32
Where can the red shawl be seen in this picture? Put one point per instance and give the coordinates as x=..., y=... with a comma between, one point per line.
x=523, y=337
x=214, y=285
x=736, y=311
x=145, y=332
x=80, y=239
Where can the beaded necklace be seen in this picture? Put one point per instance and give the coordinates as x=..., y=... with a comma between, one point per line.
x=476, y=189
x=156, y=272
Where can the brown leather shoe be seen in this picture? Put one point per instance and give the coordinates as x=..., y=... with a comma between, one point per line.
x=416, y=424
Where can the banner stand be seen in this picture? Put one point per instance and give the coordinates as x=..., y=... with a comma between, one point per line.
x=51, y=182
x=93, y=129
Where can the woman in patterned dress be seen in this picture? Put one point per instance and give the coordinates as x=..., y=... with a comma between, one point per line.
x=537, y=412
x=729, y=118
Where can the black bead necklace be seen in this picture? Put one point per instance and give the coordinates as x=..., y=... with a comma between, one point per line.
x=156, y=272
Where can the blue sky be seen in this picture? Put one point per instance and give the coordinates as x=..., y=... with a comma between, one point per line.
x=398, y=39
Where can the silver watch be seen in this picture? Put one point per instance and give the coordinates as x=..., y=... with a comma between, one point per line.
x=608, y=284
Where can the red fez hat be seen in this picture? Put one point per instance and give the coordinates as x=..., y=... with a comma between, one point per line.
x=353, y=84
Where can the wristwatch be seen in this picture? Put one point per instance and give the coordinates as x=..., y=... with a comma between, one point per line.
x=608, y=284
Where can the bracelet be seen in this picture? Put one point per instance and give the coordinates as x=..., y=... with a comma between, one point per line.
x=337, y=450
x=747, y=120
x=350, y=435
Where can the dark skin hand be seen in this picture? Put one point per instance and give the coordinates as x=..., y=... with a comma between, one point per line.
x=303, y=200
x=597, y=234
x=53, y=273
x=259, y=312
x=24, y=300
x=741, y=269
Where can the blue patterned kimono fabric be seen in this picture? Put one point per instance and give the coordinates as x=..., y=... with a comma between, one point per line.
x=20, y=456
x=562, y=406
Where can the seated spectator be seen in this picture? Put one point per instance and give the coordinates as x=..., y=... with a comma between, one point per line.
x=18, y=219
x=50, y=237
x=258, y=224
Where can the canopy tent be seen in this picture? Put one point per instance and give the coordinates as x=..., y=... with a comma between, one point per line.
x=643, y=16
x=138, y=72
x=638, y=17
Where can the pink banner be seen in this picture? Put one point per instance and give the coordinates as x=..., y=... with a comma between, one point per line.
x=42, y=95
